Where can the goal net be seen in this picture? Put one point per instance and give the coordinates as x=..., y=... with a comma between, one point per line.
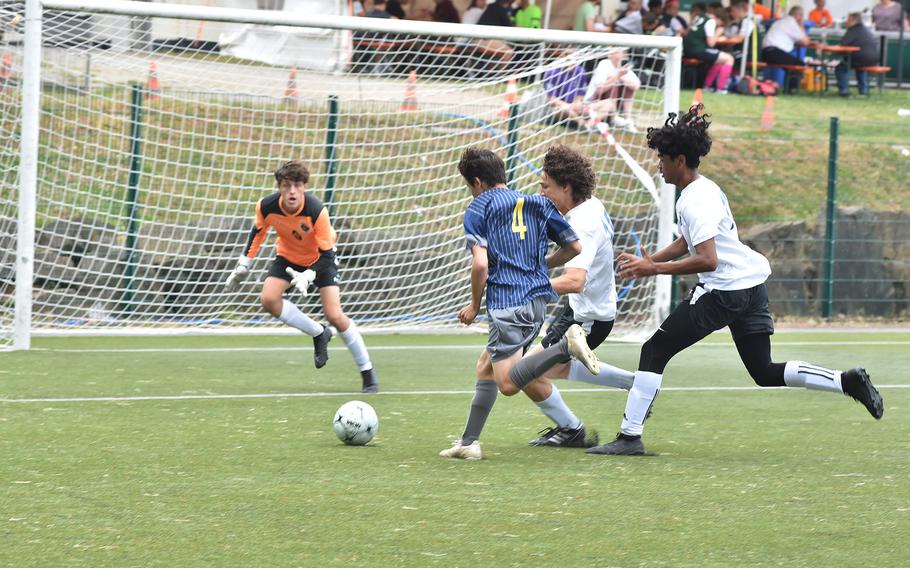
x=160, y=127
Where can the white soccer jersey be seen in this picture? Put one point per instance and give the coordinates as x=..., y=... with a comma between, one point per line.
x=597, y=302
x=704, y=213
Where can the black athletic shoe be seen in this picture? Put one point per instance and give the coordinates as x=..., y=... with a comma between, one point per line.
x=857, y=385
x=321, y=348
x=370, y=381
x=622, y=446
x=565, y=438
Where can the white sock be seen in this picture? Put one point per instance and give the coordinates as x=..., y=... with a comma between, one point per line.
x=609, y=376
x=645, y=387
x=357, y=347
x=809, y=376
x=556, y=410
x=291, y=315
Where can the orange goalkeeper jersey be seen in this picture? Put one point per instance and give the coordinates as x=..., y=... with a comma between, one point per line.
x=302, y=234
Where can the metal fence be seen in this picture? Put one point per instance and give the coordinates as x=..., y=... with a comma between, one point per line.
x=828, y=202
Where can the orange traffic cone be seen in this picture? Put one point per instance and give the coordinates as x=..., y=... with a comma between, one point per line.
x=767, y=115
x=153, y=88
x=510, y=98
x=409, y=104
x=6, y=69
x=696, y=98
x=291, y=93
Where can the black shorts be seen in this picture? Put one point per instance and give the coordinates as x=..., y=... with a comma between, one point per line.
x=326, y=275
x=599, y=331
x=745, y=311
x=708, y=56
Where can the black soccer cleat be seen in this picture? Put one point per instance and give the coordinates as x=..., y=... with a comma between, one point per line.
x=623, y=445
x=856, y=384
x=370, y=381
x=565, y=438
x=321, y=348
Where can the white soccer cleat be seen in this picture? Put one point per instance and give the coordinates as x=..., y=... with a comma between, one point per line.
x=578, y=348
x=469, y=452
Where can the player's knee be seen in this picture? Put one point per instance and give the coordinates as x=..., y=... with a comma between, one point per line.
x=508, y=388
x=271, y=304
x=337, y=319
x=653, y=355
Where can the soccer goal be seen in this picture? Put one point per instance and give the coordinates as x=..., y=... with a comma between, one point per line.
x=137, y=137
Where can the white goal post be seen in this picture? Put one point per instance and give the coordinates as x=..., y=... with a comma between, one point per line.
x=132, y=161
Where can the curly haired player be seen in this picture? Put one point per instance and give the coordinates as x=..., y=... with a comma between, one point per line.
x=730, y=292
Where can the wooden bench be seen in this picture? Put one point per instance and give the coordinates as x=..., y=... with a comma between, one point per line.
x=788, y=69
x=879, y=72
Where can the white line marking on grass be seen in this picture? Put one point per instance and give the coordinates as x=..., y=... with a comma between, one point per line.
x=429, y=347
x=358, y=393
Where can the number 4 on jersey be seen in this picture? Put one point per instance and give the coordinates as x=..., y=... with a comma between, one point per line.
x=518, y=219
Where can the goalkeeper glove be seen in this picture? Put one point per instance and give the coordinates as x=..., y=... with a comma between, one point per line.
x=301, y=280
x=239, y=274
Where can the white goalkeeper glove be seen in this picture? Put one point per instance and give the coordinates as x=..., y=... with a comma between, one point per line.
x=239, y=274
x=301, y=280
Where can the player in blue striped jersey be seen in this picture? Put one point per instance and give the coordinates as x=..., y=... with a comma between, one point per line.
x=507, y=233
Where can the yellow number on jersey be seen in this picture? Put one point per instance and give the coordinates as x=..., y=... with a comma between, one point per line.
x=518, y=219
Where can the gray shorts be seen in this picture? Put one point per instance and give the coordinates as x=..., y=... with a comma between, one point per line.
x=515, y=328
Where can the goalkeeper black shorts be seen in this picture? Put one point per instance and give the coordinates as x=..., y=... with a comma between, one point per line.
x=597, y=330
x=326, y=272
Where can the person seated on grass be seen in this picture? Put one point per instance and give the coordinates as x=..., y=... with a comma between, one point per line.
x=820, y=16
x=862, y=37
x=699, y=43
x=612, y=81
x=565, y=87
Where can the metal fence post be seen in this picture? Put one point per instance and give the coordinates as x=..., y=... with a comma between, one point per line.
x=331, y=154
x=512, y=143
x=830, y=228
x=132, y=197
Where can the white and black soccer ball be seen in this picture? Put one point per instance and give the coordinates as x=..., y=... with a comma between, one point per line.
x=355, y=423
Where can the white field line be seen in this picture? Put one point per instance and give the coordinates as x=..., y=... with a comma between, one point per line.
x=359, y=394
x=430, y=347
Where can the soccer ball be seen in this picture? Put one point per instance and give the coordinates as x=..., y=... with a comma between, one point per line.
x=355, y=423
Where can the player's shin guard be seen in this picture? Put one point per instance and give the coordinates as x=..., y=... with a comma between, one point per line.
x=555, y=408
x=357, y=347
x=485, y=393
x=292, y=316
x=644, y=390
x=808, y=376
x=532, y=366
x=609, y=375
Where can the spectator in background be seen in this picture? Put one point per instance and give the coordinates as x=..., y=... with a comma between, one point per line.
x=612, y=81
x=859, y=36
x=886, y=17
x=584, y=17
x=699, y=44
x=357, y=8
x=820, y=16
x=672, y=20
x=713, y=7
x=445, y=11
x=565, y=89
x=474, y=12
x=783, y=36
x=721, y=17
x=379, y=10
x=740, y=28
x=656, y=7
x=393, y=7
x=496, y=14
x=697, y=9
x=528, y=15
x=600, y=23
x=629, y=23
x=761, y=10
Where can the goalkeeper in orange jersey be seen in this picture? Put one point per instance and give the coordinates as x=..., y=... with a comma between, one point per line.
x=306, y=255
